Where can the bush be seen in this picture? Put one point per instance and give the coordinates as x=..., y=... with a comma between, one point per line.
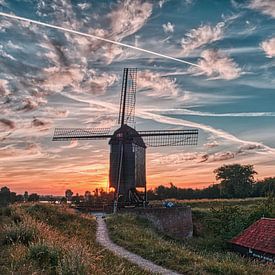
x=46, y=256
x=5, y=211
x=19, y=233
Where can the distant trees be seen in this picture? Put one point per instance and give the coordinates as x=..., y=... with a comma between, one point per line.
x=6, y=196
x=69, y=194
x=33, y=197
x=26, y=196
x=87, y=196
x=236, y=180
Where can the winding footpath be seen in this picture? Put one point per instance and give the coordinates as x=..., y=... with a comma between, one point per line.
x=102, y=237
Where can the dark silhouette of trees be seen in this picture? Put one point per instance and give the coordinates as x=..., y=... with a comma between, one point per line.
x=6, y=196
x=26, y=196
x=33, y=197
x=69, y=194
x=236, y=180
x=63, y=200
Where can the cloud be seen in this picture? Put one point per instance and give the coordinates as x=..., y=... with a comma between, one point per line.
x=216, y=132
x=7, y=123
x=72, y=144
x=4, y=25
x=84, y=6
x=201, y=36
x=169, y=27
x=12, y=153
x=156, y=85
x=129, y=17
x=265, y=6
x=4, y=54
x=220, y=156
x=31, y=103
x=216, y=65
x=250, y=147
x=211, y=144
x=269, y=46
x=41, y=124
x=59, y=78
x=4, y=87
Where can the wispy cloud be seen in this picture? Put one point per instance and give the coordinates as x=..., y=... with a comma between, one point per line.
x=217, y=132
x=7, y=123
x=12, y=153
x=269, y=45
x=216, y=65
x=156, y=85
x=4, y=87
x=129, y=17
x=201, y=36
x=168, y=28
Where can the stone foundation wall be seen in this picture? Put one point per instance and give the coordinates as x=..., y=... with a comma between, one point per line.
x=175, y=222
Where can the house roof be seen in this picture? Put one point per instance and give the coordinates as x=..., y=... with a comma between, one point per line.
x=259, y=236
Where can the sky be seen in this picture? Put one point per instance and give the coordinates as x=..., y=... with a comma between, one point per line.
x=50, y=78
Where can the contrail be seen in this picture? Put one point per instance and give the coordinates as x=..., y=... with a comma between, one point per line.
x=95, y=37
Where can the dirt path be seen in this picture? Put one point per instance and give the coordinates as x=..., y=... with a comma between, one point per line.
x=103, y=238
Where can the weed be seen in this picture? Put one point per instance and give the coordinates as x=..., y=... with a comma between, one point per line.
x=45, y=255
x=19, y=233
x=73, y=262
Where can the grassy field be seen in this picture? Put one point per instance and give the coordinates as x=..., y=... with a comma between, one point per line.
x=208, y=251
x=46, y=239
x=209, y=203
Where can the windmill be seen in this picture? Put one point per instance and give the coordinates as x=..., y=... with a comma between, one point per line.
x=128, y=146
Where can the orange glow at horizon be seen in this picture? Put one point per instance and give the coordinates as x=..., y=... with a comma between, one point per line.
x=79, y=183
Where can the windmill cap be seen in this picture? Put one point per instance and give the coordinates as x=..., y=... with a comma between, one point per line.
x=127, y=134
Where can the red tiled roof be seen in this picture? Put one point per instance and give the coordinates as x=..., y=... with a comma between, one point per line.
x=259, y=236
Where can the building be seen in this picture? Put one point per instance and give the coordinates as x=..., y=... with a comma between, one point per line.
x=257, y=241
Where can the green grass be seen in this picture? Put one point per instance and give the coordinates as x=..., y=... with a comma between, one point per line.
x=63, y=243
x=209, y=203
x=206, y=253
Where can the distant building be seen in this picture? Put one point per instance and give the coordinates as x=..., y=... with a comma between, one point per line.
x=257, y=241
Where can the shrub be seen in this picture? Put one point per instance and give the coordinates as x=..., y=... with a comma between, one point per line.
x=46, y=256
x=5, y=211
x=19, y=233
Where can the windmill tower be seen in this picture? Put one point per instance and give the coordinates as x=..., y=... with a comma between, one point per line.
x=128, y=146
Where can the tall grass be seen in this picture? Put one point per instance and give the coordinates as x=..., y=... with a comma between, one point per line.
x=64, y=243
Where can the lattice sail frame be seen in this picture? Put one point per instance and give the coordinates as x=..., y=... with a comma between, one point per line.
x=159, y=138
x=128, y=96
x=79, y=133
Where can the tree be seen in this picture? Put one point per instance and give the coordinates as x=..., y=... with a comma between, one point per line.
x=76, y=199
x=87, y=196
x=236, y=180
x=5, y=196
x=33, y=197
x=63, y=200
x=26, y=196
x=69, y=194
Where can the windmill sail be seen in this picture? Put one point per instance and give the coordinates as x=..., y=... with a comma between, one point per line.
x=80, y=133
x=158, y=138
x=128, y=96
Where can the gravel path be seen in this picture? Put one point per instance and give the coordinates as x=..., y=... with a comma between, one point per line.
x=102, y=237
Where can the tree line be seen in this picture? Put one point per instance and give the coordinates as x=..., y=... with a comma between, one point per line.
x=7, y=197
x=235, y=181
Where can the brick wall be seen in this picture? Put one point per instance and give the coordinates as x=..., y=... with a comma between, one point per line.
x=175, y=222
